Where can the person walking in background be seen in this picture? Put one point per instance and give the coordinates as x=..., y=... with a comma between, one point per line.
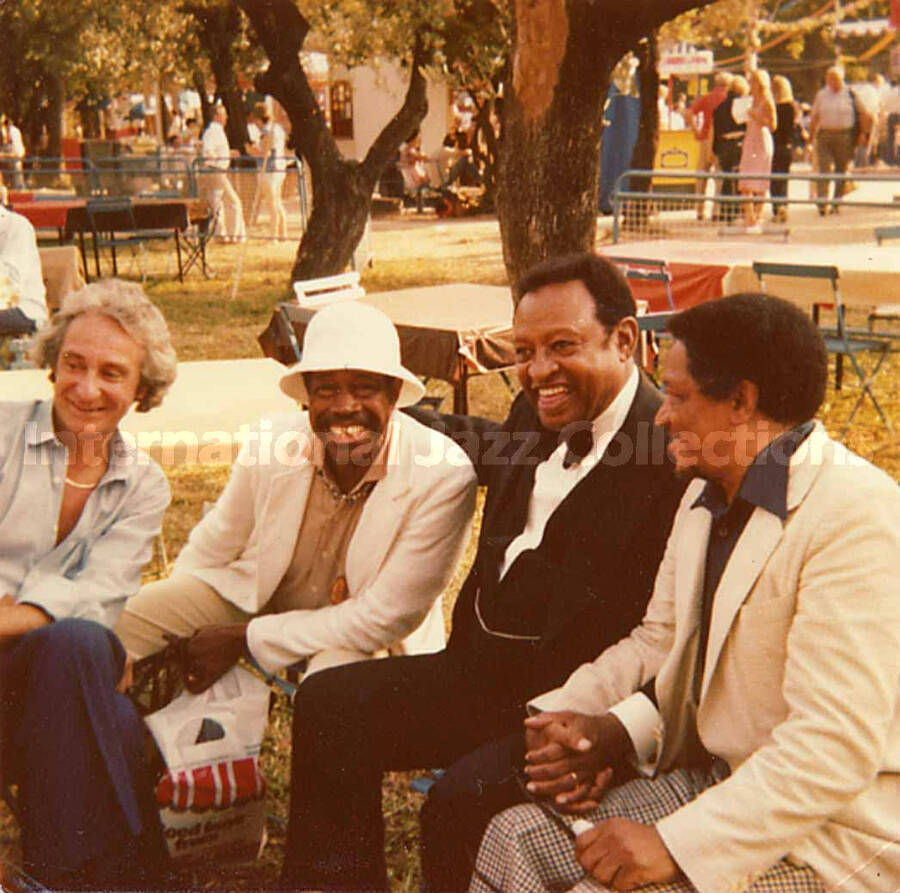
x=225, y=202
x=783, y=142
x=728, y=135
x=273, y=149
x=757, y=148
x=837, y=122
x=700, y=118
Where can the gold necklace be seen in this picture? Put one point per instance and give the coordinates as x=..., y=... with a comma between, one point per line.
x=339, y=496
x=79, y=486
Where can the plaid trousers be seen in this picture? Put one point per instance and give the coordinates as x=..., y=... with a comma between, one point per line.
x=524, y=851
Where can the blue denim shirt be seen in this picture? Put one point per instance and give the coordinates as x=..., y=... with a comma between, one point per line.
x=98, y=565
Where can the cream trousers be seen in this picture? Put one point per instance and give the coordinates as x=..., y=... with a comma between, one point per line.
x=182, y=604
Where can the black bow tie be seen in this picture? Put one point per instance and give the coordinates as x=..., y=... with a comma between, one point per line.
x=578, y=445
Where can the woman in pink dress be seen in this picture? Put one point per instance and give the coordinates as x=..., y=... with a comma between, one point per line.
x=756, y=155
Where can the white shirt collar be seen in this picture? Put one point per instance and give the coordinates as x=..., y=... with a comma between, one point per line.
x=608, y=423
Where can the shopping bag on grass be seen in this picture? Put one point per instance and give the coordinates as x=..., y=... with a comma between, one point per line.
x=211, y=794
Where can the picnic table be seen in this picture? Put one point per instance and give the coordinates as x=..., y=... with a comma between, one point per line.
x=145, y=214
x=69, y=216
x=47, y=213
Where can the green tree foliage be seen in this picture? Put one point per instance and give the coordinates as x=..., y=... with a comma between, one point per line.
x=83, y=50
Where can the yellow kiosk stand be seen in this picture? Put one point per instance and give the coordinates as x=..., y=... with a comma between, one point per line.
x=677, y=150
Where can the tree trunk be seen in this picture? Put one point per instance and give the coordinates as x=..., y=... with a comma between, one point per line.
x=563, y=54
x=219, y=28
x=342, y=188
x=644, y=155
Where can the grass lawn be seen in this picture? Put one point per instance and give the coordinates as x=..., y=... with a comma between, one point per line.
x=207, y=323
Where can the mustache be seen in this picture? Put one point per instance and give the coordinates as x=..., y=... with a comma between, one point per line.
x=364, y=419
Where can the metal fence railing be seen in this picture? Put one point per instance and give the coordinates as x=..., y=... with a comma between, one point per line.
x=55, y=176
x=697, y=204
x=180, y=175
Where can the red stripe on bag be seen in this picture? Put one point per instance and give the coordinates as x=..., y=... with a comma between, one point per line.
x=165, y=790
x=182, y=791
x=204, y=788
x=244, y=779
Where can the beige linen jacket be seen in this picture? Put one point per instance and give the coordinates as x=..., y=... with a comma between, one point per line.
x=402, y=554
x=800, y=687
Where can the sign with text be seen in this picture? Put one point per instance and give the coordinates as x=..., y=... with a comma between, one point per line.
x=679, y=64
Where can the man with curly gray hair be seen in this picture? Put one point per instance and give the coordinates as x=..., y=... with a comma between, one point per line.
x=79, y=508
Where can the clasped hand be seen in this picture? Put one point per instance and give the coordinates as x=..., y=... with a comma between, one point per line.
x=571, y=757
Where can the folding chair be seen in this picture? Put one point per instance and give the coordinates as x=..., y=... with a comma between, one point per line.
x=113, y=226
x=196, y=237
x=651, y=325
x=840, y=342
x=888, y=312
x=328, y=289
x=644, y=269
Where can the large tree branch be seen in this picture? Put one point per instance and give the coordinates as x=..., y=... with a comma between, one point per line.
x=408, y=117
x=281, y=30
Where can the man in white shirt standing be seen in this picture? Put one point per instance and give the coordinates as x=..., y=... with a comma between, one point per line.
x=833, y=118
x=25, y=307
x=767, y=746
x=226, y=203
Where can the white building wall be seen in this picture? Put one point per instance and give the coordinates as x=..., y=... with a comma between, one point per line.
x=378, y=93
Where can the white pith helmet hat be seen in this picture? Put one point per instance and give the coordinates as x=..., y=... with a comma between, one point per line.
x=351, y=335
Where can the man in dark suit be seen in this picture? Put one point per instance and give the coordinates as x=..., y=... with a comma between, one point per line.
x=580, y=498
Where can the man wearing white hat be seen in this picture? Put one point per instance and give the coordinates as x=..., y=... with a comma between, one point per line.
x=338, y=528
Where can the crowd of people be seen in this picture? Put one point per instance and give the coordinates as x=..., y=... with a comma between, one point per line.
x=457, y=165
x=752, y=127
x=673, y=660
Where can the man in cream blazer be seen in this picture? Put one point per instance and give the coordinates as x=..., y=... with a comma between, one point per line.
x=772, y=733
x=337, y=531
